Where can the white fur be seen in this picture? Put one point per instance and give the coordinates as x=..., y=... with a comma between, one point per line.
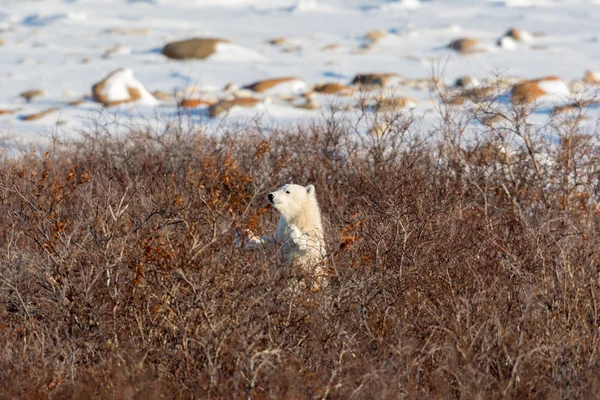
x=300, y=231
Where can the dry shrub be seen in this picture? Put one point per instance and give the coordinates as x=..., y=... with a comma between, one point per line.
x=466, y=266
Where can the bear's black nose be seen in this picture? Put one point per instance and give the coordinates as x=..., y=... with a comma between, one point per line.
x=270, y=197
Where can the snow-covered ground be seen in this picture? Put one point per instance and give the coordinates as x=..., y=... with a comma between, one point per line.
x=60, y=48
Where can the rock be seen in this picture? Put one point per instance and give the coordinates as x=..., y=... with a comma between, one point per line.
x=572, y=107
x=32, y=94
x=279, y=41
x=467, y=82
x=329, y=47
x=395, y=104
x=278, y=86
x=199, y=48
x=193, y=103
x=466, y=45
x=2, y=43
x=161, y=95
x=375, y=35
x=374, y=79
x=39, y=115
x=224, y=106
x=121, y=87
x=518, y=35
x=76, y=103
x=592, y=77
x=334, y=88
x=530, y=91
x=8, y=112
x=134, y=31
x=507, y=43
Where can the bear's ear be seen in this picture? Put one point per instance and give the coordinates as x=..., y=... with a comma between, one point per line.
x=310, y=189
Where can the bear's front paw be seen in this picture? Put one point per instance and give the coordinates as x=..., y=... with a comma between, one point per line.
x=294, y=232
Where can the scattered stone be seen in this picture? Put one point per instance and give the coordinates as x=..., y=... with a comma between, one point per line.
x=375, y=35
x=466, y=45
x=395, y=104
x=8, y=112
x=224, y=106
x=161, y=95
x=134, y=31
x=193, y=103
x=518, y=35
x=572, y=107
x=310, y=104
x=329, y=47
x=419, y=84
x=456, y=100
x=467, y=82
x=334, y=88
x=32, y=94
x=279, y=41
x=199, y=48
x=592, y=77
x=121, y=87
x=507, y=43
x=39, y=115
x=530, y=91
x=278, y=85
x=118, y=49
x=374, y=79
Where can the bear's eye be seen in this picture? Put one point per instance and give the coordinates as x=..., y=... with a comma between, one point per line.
x=287, y=191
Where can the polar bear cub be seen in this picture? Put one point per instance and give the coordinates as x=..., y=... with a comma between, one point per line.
x=300, y=231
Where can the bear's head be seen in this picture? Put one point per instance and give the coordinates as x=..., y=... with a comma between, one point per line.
x=290, y=199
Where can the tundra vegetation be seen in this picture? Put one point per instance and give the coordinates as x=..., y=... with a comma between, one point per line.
x=463, y=261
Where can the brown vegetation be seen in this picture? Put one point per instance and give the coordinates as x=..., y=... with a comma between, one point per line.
x=460, y=267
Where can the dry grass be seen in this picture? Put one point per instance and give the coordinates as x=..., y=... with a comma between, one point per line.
x=459, y=269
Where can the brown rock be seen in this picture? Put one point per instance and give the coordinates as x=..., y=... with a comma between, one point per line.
x=465, y=45
x=200, y=48
x=193, y=103
x=263, y=86
x=120, y=31
x=8, y=112
x=515, y=33
x=334, y=88
x=592, y=77
x=224, y=106
x=161, y=95
x=99, y=95
x=395, y=103
x=279, y=41
x=373, y=79
x=31, y=94
x=375, y=35
x=2, y=42
x=76, y=103
x=41, y=114
x=529, y=91
x=457, y=101
x=331, y=46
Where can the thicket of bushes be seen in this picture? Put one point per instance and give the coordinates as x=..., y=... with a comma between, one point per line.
x=465, y=266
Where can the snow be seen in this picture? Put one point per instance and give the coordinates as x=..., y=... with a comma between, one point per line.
x=63, y=47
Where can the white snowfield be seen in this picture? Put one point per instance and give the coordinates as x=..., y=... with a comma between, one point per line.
x=60, y=48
